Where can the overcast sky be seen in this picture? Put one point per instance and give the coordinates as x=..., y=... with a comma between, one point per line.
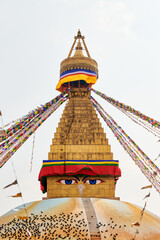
x=122, y=36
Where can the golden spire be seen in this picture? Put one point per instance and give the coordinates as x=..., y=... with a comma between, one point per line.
x=78, y=52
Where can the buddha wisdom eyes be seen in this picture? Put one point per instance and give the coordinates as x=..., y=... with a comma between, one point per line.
x=67, y=181
x=93, y=181
x=73, y=181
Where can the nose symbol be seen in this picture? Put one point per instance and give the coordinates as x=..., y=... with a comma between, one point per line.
x=80, y=187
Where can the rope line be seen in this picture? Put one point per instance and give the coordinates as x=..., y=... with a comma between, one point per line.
x=34, y=135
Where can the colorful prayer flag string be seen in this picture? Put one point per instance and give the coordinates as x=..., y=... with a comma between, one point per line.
x=146, y=165
x=11, y=145
x=15, y=126
x=126, y=108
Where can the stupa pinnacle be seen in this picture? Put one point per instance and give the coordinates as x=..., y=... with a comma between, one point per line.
x=78, y=67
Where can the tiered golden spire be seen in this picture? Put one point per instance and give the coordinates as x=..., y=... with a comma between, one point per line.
x=76, y=63
x=81, y=138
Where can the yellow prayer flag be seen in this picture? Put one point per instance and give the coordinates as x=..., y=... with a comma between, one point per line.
x=17, y=195
x=149, y=186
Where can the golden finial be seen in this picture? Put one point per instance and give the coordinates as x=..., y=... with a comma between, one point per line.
x=79, y=36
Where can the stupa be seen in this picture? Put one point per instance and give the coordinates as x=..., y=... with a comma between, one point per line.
x=80, y=173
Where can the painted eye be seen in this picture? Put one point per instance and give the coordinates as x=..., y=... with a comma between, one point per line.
x=93, y=181
x=67, y=181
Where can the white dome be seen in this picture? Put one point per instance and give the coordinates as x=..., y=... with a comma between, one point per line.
x=67, y=218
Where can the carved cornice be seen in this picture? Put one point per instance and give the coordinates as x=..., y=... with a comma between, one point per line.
x=79, y=92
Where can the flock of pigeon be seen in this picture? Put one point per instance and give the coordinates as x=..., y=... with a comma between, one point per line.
x=60, y=226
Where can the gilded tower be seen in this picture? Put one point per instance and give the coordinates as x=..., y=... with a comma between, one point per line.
x=80, y=162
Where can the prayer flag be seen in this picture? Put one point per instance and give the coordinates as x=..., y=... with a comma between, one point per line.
x=17, y=195
x=149, y=186
x=11, y=184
